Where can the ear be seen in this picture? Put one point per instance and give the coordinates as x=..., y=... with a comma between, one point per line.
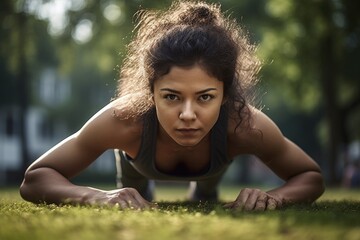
x=152, y=99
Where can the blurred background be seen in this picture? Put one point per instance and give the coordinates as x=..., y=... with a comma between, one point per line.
x=59, y=63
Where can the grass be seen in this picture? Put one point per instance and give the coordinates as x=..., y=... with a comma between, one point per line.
x=336, y=215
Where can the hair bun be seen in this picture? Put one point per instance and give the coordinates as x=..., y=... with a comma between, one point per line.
x=198, y=15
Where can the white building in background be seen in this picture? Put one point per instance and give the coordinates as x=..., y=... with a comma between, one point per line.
x=42, y=132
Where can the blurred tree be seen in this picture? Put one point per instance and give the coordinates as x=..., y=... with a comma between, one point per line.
x=91, y=46
x=81, y=39
x=313, y=47
x=14, y=52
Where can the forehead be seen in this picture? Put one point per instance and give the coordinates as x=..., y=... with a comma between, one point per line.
x=188, y=78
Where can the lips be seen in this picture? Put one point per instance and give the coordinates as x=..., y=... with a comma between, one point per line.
x=187, y=131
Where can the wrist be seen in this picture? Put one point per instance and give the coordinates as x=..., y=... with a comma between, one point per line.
x=280, y=200
x=91, y=196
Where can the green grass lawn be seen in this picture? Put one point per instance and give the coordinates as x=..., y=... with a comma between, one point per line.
x=336, y=215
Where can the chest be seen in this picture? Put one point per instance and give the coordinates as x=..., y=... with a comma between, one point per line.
x=171, y=160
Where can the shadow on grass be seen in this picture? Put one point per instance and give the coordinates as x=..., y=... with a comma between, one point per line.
x=340, y=213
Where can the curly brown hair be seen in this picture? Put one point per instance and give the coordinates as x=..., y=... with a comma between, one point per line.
x=188, y=33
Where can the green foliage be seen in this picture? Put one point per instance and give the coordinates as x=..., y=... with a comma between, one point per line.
x=333, y=218
x=292, y=48
x=289, y=47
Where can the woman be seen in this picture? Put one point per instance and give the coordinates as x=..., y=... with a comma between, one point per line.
x=181, y=114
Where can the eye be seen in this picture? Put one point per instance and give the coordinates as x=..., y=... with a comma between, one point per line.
x=171, y=97
x=206, y=97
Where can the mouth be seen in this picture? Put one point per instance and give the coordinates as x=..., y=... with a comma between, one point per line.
x=187, y=131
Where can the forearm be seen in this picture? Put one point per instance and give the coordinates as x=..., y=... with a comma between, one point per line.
x=47, y=185
x=303, y=188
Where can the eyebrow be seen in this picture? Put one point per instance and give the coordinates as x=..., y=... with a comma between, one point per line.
x=178, y=92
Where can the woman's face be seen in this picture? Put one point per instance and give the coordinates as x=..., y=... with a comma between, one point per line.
x=187, y=102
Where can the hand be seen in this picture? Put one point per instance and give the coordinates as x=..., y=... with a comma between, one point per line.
x=254, y=199
x=125, y=198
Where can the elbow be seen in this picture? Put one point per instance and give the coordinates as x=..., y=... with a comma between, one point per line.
x=24, y=191
x=316, y=180
x=306, y=187
x=41, y=185
x=321, y=184
x=25, y=187
x=28, y=186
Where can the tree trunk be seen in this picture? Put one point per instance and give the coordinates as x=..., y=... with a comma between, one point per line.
x=328, y=75
x=23, y=88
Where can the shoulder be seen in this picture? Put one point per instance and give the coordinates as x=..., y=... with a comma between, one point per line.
x=111, y=127
x=260, y=137
x=264, y=140
x=101, y=132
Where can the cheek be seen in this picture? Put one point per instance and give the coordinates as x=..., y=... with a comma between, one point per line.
x=165, y=115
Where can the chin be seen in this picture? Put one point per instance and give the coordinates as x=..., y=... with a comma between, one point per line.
x=188, y=143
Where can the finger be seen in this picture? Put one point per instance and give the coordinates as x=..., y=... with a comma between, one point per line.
x=229, y=205
x=271, y=204
x=251, y=201
x=139, y=201
x=134, y=202
x=130, y=203
x=238, y=205
x=261, y=202
x=124, y=199
x=241, y=199
x=122, y=204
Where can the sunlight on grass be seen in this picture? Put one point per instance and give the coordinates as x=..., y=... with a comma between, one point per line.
x=339, y=194
x=334, y=216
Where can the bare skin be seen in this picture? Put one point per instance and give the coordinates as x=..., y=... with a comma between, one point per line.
x=192, y=110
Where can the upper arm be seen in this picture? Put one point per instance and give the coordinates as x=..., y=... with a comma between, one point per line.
x=68, y=157
x=79, y=150
x=280, y=154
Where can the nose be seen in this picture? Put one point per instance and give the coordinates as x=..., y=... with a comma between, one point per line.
x=187, y=112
